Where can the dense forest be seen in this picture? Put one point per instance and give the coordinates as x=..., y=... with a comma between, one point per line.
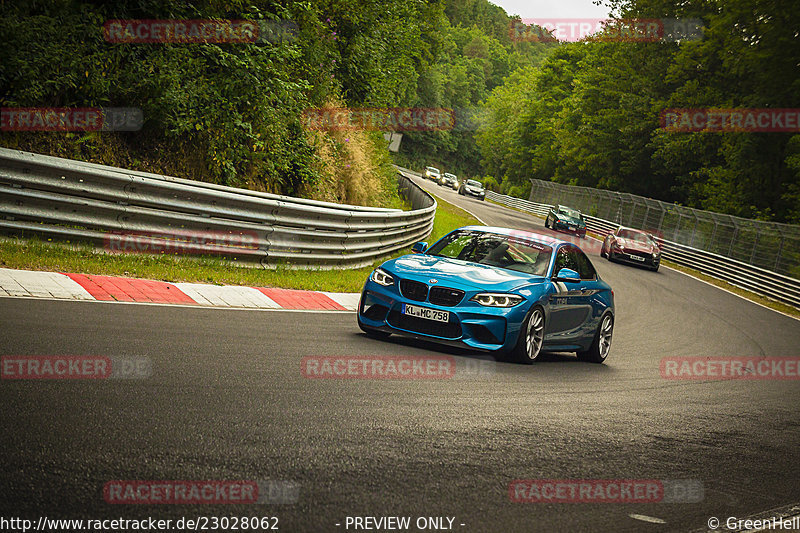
x=584, y=113
x=589, y=114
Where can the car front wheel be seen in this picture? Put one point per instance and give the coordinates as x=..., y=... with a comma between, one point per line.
x=531, y=338
x=601, y=344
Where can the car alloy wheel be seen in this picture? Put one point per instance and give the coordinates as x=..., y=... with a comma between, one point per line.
x=601, y=344
x=530, y=339
x=534, y=336
x=606, y=331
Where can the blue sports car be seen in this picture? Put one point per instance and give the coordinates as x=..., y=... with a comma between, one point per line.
x=510, y=292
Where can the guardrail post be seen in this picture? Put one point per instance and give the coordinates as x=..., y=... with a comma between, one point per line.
x=694, y=229
x=733, y=239
x=755, y=243
x=633, y=211
x=713, y=234
x=778, y=255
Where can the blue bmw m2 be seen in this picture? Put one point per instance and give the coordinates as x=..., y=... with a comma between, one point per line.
x=510, y=292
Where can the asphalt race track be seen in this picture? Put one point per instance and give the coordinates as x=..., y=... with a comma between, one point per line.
x=227, y=401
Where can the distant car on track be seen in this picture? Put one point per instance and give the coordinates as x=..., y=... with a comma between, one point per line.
x=563, y=218
x=449, y=180
x=432, y=173
x=510, y=292
x=632, y=246
x=472, y=188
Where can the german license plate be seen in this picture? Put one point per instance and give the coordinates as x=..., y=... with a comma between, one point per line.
x=637, y=258
x=424, y=312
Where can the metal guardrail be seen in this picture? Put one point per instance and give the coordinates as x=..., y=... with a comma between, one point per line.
x=752, y=278
x=124, y=210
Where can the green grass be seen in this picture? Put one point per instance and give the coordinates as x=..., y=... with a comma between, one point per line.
x=35, y=254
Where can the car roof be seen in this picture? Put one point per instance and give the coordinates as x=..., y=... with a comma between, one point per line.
x=538, y=238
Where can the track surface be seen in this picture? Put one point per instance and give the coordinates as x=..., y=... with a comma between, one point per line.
x=227, y=401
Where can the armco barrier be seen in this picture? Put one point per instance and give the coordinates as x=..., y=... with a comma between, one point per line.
x=62, y=199
x=752, y=278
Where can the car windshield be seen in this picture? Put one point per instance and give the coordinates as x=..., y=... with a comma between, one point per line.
x=568, y=212
x=513, y=253
x=473, y=183
x=633, y=235
x=432, y=170
x=449, y=175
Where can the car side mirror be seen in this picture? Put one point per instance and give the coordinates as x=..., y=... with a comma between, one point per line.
x=567, y=275
x=419, y=247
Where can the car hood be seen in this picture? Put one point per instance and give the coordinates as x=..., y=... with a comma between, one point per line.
x=458, y=274
x=637, y=246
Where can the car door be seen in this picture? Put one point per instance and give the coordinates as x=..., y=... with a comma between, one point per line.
x=590, y=287
x=570, y=304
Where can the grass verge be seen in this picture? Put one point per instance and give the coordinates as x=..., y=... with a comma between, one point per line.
x=35, y=254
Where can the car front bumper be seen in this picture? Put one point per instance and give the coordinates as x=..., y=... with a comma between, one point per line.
x=470, y=324
x=628, y=257
x=475, y=194
x=566, y=228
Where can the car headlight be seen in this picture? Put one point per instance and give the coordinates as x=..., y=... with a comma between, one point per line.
x=381, y=277
x=490, y=299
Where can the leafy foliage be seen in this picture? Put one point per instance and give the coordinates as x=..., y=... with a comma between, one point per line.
x=589, y=114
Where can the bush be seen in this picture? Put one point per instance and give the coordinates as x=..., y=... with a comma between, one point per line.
x=490, y=184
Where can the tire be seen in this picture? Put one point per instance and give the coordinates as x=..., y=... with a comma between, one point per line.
x=547, y=222
x=373, y=333
x=598, y=351
x=655, y=268
x=526, y=352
